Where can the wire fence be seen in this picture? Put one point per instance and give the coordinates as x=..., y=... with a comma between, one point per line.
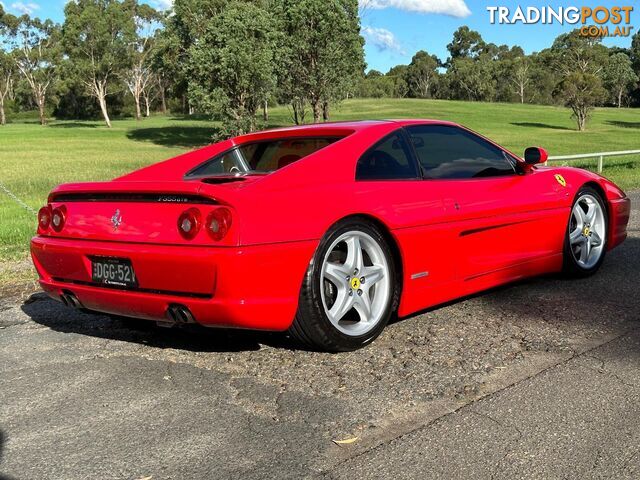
x=16, y=199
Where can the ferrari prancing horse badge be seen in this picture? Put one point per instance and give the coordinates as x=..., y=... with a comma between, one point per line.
x=561, y=180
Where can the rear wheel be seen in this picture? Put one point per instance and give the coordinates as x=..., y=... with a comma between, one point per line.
x=350, y=289
x=586, y=237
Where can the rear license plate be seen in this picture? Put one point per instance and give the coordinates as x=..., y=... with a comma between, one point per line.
x=113, y=271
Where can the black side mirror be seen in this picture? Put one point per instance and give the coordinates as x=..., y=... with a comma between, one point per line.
x=535, y=155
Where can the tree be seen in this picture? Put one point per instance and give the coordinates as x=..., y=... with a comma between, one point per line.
x=164, y=61
x=422, y=74
x=521, y=76
x=97, y=35
x=581, y=92
x=139, y=77
x=376, y=85
x=472, y=79
x=7, y=75
x=619, y=76
x=580, y=61
x=322, y=52
x=232, y=67
x=399, y=76
x=466, y=43
x=36, y=53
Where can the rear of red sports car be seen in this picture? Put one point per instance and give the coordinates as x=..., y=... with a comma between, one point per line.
x=185, y=240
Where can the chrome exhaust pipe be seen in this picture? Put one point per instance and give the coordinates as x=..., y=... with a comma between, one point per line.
x=70, y=300
x=180, y=314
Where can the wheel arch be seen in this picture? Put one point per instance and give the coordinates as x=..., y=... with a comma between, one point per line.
x=388, y=236
x=601, y=191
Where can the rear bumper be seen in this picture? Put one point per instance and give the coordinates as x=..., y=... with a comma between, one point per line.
x=245, y=287
x=620, y=210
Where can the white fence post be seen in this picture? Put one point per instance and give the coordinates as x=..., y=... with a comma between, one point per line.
x=600, y=163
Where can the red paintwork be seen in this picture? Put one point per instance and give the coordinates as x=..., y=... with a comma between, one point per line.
x=469, y=235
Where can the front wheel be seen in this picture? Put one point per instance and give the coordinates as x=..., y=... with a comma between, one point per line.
x=586, y=237
x=350, y=290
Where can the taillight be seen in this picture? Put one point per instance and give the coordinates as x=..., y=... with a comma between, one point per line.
x=219, y=223
x=58, y=217
x=44, y=218
x=189, y=223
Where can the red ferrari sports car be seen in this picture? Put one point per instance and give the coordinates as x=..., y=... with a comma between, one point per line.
x=324, y=231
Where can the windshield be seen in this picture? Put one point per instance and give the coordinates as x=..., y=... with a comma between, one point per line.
x=261, y=157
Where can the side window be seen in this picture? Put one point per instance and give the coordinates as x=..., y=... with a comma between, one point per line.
x=389, y=159
x=451, y=152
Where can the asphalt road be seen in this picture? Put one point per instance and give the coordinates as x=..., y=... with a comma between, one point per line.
x=535, y=380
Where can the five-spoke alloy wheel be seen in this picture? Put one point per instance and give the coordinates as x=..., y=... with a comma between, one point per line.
x=586, y=241
x=350, y=290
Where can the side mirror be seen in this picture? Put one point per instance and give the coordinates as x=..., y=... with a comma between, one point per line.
x=535, y=155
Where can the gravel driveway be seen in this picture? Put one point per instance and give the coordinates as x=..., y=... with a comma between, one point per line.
x=84, y=396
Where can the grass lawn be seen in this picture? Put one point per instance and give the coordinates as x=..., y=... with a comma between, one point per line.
x=33, y=159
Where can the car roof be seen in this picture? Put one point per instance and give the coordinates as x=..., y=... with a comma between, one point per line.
x=334, y=128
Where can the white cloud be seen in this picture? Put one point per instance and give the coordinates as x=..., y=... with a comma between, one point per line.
x=163, y=4
x=382, y=39
x=454, y=8
x=25, y=8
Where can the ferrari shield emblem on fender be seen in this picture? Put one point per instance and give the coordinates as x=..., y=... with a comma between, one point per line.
x=560, y=179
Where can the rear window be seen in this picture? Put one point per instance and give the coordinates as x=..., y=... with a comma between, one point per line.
x=261, y=157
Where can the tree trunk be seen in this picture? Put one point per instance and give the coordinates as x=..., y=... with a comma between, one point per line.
x=317, y=110
x=147, y=108
x=41, y=112
x=265, y=111
x=620, y=99
x=325, y=111
x=3, y=118
x=102, y=100
x=136, y=99
x=163, y=100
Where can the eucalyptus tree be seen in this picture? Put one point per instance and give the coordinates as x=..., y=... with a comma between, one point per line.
x=422, y=74
x=97, y=37
x=7, y=77
x=619, y=76
x=231, y=67
x=580, y=62
x=35, y=46
x=322, y=54
x=139, y=76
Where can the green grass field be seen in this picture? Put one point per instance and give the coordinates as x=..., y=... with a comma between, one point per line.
x=33, y=159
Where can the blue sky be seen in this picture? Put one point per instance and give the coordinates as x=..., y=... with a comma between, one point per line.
x=396, y=29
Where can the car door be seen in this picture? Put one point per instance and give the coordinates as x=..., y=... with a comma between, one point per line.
x=503, y=217
x=390, y=187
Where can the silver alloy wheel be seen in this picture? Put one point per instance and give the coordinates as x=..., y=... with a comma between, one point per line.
x=587, y=231
x=355, y=283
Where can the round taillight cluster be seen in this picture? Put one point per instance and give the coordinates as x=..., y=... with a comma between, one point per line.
x=58, y=219
x=51, y=217
x=189, y=223
x=44, y=217
x=217, y=225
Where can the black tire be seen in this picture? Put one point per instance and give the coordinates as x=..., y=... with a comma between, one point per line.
x=571, y=267
x=311, y=326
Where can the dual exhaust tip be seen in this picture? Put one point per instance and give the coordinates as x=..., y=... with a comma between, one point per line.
x=176, y=313
x=70, y=300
